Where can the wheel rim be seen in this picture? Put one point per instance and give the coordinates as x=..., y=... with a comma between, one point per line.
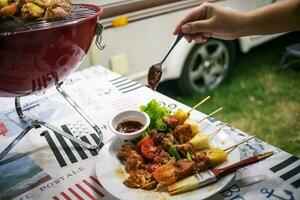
x=208, y=65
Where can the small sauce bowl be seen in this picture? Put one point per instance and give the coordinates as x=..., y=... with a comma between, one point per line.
x=127, y=116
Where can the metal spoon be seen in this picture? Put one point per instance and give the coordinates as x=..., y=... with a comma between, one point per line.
x=155, y=71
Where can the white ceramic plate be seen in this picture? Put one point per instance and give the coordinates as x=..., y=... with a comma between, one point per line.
x=111, y=174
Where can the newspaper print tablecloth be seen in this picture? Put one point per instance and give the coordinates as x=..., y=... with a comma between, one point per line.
x=44, y=165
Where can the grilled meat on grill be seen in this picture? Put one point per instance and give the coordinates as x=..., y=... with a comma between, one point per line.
x=31, y=9
x=35, y=9
x=58, y=9
x=8, y=8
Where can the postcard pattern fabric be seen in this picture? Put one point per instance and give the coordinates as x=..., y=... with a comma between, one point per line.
x=46, y=165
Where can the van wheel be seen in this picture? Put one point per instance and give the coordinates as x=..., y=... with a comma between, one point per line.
x=206, y=66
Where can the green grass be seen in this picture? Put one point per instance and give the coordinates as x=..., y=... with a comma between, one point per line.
x=257, y=99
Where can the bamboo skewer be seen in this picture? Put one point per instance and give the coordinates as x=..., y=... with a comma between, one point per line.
x=198, y=104
x=236, y=145
x=217, y=130
x=207, y=177
x=198, y=122
x=228, y=152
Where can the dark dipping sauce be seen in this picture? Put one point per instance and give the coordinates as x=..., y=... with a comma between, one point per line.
x=154, y=76
x=129, y=126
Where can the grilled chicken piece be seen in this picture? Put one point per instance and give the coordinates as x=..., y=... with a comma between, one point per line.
x=124, y=151
x=184, y=148
x=130, y=157
x=140, y=179
x=165, y=174
x=167, y=142
x=164, y=158
x=169, y=173
x=134, y=161
x=185, y=168
x=171, y=120
x=157, y=136
x=202, y=160
x=183, y=133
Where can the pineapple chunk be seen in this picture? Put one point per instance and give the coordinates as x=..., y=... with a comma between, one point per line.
x=195, y=128
x=181, y=115
x=200, y=142
x=216, y=156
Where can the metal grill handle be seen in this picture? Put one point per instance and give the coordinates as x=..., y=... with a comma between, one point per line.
x=99, y=31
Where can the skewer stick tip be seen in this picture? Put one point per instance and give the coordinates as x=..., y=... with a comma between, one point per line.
x=217, y=130
x=209, y=115
x=198, y=104
x=236, y=145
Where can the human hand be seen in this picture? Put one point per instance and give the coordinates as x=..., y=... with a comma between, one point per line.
x=210, y=20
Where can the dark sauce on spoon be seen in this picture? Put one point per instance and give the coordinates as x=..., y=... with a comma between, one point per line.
x=154, y=76
x=155, y=71
x=129, y=126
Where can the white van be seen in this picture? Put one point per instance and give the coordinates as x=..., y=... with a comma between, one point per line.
x=138, y=33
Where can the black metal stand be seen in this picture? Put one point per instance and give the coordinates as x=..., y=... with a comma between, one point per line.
x=34, y=123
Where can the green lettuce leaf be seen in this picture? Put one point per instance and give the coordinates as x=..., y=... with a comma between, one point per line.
x=156, y=113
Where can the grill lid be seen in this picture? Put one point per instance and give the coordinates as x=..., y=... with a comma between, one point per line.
x=13, y=26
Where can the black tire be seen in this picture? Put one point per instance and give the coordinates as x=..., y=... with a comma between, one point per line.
x=202, y=71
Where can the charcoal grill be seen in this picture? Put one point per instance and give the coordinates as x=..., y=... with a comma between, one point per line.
x=35, y=56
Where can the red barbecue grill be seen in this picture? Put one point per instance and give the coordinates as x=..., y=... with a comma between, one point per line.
x=35, y=56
